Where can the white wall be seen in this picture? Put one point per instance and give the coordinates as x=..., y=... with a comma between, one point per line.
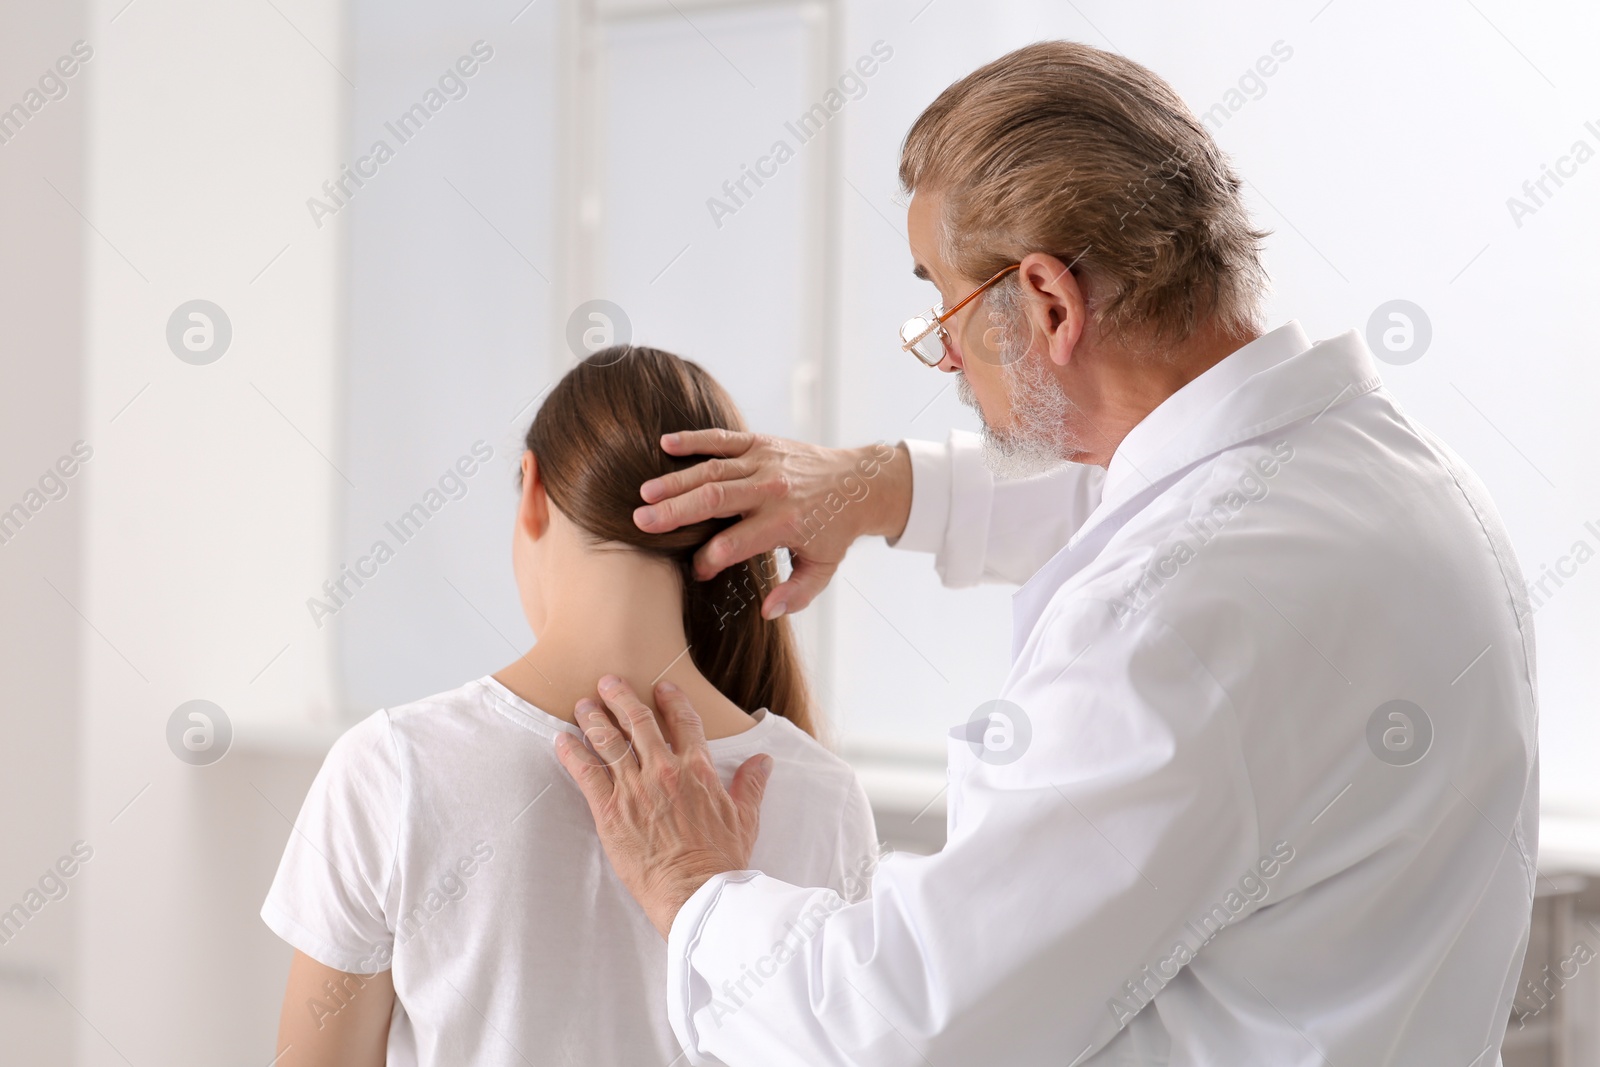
x=211, y=502
x=452, y=252
x=371, y=352
x=41, y=307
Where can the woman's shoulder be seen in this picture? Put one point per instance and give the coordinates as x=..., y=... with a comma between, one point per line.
x=817, y=826
x=469, y=698
x=463, y=717
x=787, y=743
x=470, y=714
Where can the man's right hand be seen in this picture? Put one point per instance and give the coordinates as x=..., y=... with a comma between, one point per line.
x=811, y=500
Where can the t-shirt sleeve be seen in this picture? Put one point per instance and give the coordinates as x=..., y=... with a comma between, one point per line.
x=331, y=896
x=858, y=844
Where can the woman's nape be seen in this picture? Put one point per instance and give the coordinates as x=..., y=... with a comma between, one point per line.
x=603, y=597
x=597, y=610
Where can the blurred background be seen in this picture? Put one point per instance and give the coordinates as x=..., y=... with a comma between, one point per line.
x=270, y=268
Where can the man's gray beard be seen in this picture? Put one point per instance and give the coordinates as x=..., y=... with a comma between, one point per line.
x=1039, y=438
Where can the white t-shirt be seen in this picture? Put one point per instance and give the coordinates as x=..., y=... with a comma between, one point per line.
x=444, y=841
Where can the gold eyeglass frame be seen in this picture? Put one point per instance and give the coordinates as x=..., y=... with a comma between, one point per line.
x=919, y=328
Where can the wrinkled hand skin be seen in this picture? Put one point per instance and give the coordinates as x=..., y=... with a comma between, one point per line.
x=781, y=490
x=667, y=824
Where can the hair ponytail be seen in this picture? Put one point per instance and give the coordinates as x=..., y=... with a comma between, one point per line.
x=597, y=438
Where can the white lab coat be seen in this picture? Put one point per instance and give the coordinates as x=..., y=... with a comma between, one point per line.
x=1215, y=839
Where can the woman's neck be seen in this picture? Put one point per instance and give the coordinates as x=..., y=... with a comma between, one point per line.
x=609, y=612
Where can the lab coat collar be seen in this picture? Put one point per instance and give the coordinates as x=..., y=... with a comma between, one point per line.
x=1142, y=447
x=1276, y=380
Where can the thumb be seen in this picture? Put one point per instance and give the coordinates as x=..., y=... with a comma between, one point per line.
x=749, y=786
x=808, y=578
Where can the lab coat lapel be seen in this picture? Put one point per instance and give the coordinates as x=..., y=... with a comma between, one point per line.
x=1029, y=602
x=1302, y=387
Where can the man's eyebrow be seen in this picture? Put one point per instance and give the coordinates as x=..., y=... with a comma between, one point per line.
x=921, y=272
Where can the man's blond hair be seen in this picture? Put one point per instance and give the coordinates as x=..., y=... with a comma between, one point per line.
x=1062, y=148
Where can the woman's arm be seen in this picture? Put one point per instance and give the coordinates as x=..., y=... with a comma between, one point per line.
x=334, y=1018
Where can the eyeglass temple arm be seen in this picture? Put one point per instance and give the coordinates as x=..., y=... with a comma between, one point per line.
x=979, y=291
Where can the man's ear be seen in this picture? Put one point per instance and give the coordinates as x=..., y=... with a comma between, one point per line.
x=1056, y=307
x=533, y=511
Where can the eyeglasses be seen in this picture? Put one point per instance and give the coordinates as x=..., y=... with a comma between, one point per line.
x=924, y=335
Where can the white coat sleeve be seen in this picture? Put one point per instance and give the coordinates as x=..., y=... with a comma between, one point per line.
x=984, y=530
x=1068, y=894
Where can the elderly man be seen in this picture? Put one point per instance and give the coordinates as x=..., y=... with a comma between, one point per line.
x=1265, y=789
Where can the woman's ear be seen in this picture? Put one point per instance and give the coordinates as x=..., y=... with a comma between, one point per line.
x=533, y=512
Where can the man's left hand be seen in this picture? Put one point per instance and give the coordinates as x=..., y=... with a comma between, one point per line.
x=663, y=816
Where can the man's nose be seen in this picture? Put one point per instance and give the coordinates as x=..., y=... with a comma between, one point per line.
x=952, y=358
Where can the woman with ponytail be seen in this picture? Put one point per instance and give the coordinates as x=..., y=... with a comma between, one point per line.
x=444, y=890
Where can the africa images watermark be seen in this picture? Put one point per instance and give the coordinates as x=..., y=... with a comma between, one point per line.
x=850, y=489
x=53, y=885
x=1399, y=732
x=53, y=485
x=199, y=332
x=998, y=732
x=52, y=85
x=851, y=85
x=199, y=732
x=451, y=887
x=1399, y=332
x=596, y=325
x=452, y=85
x=1252, y=888
x=1142, y=192
x=1252, y=85
x=1537, y=192
x=853, y=490
x=1553, y=575
x=736, y=992
x=1534, y=997
x=339, y=590
x=1200, y=530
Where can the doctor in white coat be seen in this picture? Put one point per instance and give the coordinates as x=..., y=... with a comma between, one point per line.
x=1260, y=786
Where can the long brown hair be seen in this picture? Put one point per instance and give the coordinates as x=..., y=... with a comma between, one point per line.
x=597, y=438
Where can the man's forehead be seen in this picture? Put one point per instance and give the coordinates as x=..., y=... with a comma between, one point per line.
x=919, y=225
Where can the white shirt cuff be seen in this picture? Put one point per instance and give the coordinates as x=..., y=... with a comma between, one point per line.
x=682, y=940
x=952, y=493
x=930, y=498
